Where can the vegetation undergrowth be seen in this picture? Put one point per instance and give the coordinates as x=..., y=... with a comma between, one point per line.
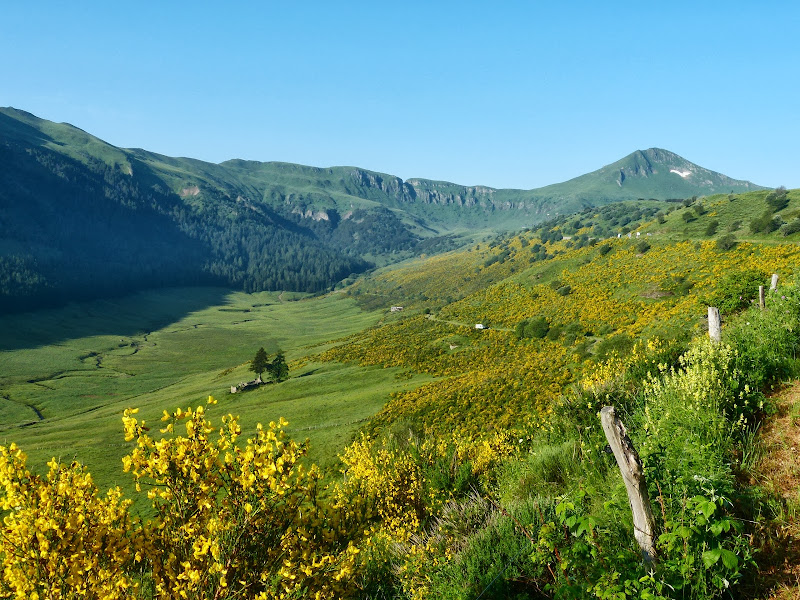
x=519, y=512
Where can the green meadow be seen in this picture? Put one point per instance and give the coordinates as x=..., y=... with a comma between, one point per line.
x=66, y=375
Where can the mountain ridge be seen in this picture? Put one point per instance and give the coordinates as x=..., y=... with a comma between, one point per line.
x=136, y=218
x=623, y=165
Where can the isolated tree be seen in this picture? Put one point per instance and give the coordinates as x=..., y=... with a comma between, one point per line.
x=779, y=199
x=711, y=228
x=726, y=242
x=260, y=362
x=277, y=369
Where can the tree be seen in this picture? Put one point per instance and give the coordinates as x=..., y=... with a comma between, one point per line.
x=259, y=364
x=726, y=242
x=536, y=327
x=779, y=199
x=278, y=370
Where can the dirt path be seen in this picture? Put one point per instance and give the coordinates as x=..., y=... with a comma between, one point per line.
x=467, y=325
x=779, y=473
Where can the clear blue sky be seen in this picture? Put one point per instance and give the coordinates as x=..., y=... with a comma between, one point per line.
x=507, y=94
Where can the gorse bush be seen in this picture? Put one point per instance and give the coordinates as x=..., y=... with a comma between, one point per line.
x=230, y=521
x=501, y=507
x=61, y=538
x=536, y=327
x=233, y=520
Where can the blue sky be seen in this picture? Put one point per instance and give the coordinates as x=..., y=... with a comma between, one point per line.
x=512, y=94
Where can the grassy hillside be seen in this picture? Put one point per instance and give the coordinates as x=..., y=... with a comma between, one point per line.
x=482, y=469
x=82, y=219
x=69, y=373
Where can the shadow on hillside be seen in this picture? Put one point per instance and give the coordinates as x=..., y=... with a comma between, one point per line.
x=133, y=314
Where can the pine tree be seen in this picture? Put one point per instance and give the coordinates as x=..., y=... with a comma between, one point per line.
x=259, y=364
x=278, y=370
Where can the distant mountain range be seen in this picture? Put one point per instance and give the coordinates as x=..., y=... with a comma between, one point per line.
x=81, y=218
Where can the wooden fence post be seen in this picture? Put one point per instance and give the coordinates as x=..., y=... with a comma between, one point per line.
x=774, y=284
x=714, y=324
x=631, y=468
x=761, y=299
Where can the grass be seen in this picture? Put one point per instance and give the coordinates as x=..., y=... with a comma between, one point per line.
x=79, y=367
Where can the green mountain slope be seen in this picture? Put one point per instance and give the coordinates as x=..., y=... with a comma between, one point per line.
x=653, y=173
x=82, y=218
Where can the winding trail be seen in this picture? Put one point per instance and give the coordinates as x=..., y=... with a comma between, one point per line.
x=467, y=325
x=778, y=471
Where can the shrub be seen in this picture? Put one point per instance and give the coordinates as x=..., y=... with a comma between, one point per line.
x=61, y=536
x=778, y=199
x=642, y=247
x=536, y=327
x=791, y=228
x=734, y=226
x=677, y=284
x=619, y=344
x=711, y=228
x=736, y=290
x=766, y=223
x=726, y=242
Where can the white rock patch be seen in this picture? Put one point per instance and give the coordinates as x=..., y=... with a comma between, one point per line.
x=683, y=174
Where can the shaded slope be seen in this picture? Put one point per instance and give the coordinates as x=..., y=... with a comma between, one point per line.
x=81, y=218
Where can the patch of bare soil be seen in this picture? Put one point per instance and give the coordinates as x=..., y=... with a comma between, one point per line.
x=192, y=190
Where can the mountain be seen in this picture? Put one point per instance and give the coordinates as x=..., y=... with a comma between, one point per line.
x=652, y=173
x=82, y=218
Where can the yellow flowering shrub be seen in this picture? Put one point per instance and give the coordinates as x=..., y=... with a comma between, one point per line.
x=390, y=482
x=60, y=538
x=403, y=484
x=645, y=356
x=236, y=521
x=231, y=520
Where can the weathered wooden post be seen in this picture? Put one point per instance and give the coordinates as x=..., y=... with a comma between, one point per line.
x=774, y=284
x=714, y=324
x=761, y=299
x=631, y=468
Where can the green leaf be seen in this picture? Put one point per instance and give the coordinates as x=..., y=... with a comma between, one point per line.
x=586, y=524
x=710, y=557
x=729, y=559
x=706, y=507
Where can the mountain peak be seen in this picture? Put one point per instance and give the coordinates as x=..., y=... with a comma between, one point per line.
x=671, y=173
